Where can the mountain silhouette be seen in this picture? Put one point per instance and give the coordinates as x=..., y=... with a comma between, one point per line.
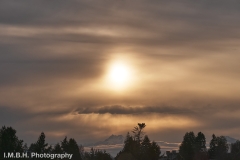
x=112, y=140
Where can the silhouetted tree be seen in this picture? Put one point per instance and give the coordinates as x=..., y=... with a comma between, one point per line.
x=71, y=147
x=9, y=142
x=145, y=148
x=137, y=149
x=64, y=145
x=57, y=149
x=153, y=151
x=25, y=147
x=186, y=149
x=40, y=145
x=212, y=147
x=89, y=155
x=200, y=150
x=32, y=147
x=97, y=155
x=130, y=148
x=201, y=156
x=200, y=143
x=235, y=150
x=102, y=155
x=125, y=156
x=193, y=147
x=81, y=151
x=218, y=148
x=138, y=131
x=128, y=142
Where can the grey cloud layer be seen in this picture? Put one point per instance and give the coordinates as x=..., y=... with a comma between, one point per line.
x=118, y=109
x=52, y=51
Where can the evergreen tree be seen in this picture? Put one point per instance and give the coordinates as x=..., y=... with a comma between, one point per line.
x=40, y=145
x=200, y=150
x=218, y=148
x=145, y=148
x=235, y=150
x=124, y=156
x=155, y=151
x=128, y=150
x=212, y=148
x=81, y=151
x=92, y=154
x=102, y=155
x=57, y=149
x=97, y=155
x=74, y=149
x=131, y=146
x=200, y=143
x=71, y=147
x=9, y=142
x=137, y=149
x=222, y=146
x=64, y=145
x=186, y=149
x=32, y=147
x=128, y=143
x=138, y=131
x=49, y=149
x=25, y=147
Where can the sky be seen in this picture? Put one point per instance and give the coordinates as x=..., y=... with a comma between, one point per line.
x=89, y=69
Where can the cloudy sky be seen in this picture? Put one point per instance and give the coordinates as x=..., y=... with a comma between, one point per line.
x=88, y=69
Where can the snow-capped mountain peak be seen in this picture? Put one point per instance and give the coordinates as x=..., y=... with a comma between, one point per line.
x=113, y=139
x=230, y=139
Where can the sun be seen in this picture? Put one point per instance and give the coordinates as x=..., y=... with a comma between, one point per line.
x=119, y=75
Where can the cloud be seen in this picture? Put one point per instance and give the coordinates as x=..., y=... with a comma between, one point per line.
x=54, y=55
x=118, y=109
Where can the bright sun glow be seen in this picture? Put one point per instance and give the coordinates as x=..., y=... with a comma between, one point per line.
x=119, y=75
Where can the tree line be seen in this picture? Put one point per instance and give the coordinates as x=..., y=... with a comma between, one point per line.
x=193, y=147
x=9, y=142
x=137, y=146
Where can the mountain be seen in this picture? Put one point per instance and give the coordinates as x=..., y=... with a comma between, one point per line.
x=112, y=140
x=112, y=145
x=230, y=139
